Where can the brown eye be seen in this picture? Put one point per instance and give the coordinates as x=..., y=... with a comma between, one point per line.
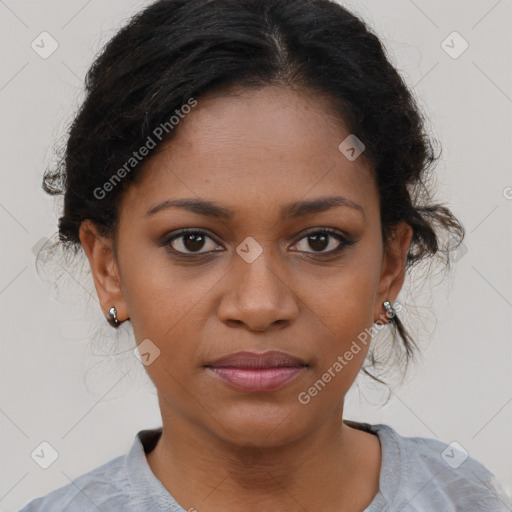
x=323, y=241
x=191, y=242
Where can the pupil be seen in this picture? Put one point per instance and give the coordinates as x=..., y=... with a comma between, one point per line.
x=315, y=238
x=196, y=239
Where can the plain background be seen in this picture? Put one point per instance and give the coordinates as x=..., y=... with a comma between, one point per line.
x=58, y=382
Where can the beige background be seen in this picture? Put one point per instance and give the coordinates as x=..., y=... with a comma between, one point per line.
x=57, y=387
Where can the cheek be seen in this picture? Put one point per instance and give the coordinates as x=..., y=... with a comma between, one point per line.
x=346, y=302
x=346, y=310
x=339, y=356
x=162, y=296
x=166, y=308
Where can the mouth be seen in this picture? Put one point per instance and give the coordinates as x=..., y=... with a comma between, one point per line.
x=257, y=372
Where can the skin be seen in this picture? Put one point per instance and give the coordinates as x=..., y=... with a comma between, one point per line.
x=254, y=152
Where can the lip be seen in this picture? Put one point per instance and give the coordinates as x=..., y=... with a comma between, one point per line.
x=258, y=372
x=252, y=360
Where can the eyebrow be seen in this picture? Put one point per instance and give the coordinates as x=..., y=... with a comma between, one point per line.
x=290, y=211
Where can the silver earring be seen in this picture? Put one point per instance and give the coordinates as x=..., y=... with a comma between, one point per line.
x=390, y=311
x=112, y=317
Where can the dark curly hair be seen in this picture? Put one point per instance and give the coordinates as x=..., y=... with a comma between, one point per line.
x=174, y=50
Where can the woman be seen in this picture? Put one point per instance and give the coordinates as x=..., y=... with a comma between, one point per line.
x=246, y=178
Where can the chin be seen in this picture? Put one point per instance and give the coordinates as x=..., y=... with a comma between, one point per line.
x=264, y=427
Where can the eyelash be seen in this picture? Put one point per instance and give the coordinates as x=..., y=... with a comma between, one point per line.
x=344, y=242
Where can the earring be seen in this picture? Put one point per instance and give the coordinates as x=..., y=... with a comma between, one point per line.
x=112, y=317
x=390, y=311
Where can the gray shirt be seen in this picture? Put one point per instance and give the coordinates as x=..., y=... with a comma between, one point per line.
x=417, y=475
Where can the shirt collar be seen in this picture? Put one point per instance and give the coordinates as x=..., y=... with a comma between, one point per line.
x=148, y=493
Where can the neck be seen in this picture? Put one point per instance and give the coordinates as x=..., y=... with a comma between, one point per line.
x=334, y=465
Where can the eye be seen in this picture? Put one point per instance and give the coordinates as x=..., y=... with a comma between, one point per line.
x=191, y=241
x=322, y=239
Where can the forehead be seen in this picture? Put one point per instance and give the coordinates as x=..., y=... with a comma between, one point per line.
x=255, y=148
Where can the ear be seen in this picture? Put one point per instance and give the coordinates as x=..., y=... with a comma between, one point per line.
x=104, y=269
x=393, y=268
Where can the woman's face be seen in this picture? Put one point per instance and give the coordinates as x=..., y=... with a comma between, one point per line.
x=265, y=275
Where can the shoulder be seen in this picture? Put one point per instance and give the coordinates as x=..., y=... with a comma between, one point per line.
x=104, y=488
x=433, y=475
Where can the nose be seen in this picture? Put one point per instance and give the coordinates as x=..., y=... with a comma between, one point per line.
x=258, y=297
